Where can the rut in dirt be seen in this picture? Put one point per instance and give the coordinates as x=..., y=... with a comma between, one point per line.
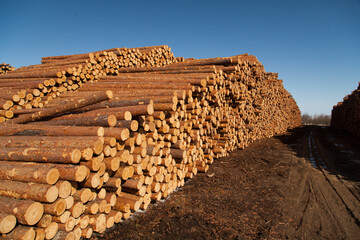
x=325, y=203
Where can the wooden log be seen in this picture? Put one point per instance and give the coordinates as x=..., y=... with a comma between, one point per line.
x=45, y=130
x=34, y=191
x=39, y=233
x=91, y=208
x=63, y=218
x=86, y=233
x=122, y=206
x=51, y=230
x=64, y=235
x=108, y=120
x=56, y=208
x=83, y=195
x=32, y=172
x=99, y=225
x=45, y=221
x=53, y=142
x=7, y=222
x=84, y=221
x=77, y=209
x=27, y=212
x=68, y=226
x=64, y=108
x=21, y=232
x=40, y=74
x=117, y=215
x=64, y=188
x=31, y=154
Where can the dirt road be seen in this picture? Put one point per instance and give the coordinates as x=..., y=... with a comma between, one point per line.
x=301, y=185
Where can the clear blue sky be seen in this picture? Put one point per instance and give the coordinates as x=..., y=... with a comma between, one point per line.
x=314, y=45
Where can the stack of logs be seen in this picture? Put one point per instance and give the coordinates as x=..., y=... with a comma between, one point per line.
x=4, y=68
x=346, y=114
x=33, y=86
x=92, y=157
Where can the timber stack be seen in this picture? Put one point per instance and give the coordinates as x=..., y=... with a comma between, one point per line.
x=130, y=128
x=346, y=114
x=4, y=68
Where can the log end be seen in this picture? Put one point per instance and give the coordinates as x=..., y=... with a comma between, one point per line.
x=115, y=164
x=127, y=115
x=52, y=194
x=34, y=213
x=137, y=205
x=59, y=207
x=52, y=176
x=109, y=94
x=150, y=109
x=125, y=133
x=64, y=189
x=94, y=208
x=81, y=173
x=85, y=195
x=86, y=233
x=77, y=209
x=51, y=230
x=117, y=217
x=134, y=126
x=87, y=154
x=112, y=120
x=7, y=223
x=98, y=147
x=100, y=131
x=75, y=156
x=40, y=233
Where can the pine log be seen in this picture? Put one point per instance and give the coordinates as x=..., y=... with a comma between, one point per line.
x=32, y=172
x=45, y=130
x=31, y=154
x=56, y=208
x=64, y=108
x=27, y=212
x=7, y=222
x=34, y=191
x=21, y=233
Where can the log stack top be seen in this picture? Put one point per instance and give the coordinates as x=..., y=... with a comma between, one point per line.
x=4, y=68
x=92, y=138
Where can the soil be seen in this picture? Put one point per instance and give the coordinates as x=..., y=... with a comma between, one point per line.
x=301, y=185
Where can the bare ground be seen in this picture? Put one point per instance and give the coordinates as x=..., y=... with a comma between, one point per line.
x=301, y=185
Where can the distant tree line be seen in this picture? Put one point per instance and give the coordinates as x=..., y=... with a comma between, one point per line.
x=321, y=119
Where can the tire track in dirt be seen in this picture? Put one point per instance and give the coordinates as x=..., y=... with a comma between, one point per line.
x=329, y=209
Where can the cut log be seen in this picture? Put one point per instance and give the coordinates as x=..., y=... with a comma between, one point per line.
x=56, y=208
x=64, y=108
x=27, y=212
x=30, y=154
x=7, y=222
x=28, y=172
x=21, y=232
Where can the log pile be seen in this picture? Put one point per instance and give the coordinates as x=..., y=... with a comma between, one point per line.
x=4, y=68
x=91, y=157
x=33, y=86
x=346, y=114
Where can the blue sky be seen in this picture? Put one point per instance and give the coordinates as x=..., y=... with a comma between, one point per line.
x=313, y=45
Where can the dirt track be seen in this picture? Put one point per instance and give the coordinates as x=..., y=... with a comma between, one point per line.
x=302, y=185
